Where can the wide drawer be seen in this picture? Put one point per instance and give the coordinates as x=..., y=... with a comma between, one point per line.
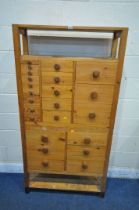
x=56, y=104
x=86, y=153
x=94, y=93
x=58, y=78
x=88, y=167
x=95, y=72
x=56, y=65
x=86, y=138
x=57, y=91
x=56, y=117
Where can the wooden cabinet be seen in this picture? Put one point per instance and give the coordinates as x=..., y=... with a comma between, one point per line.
x=67, y=112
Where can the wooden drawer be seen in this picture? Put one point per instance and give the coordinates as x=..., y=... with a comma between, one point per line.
x=56, y=104
x=31, y=101
x=56, y=65
x=57, y=78
x=95, y=72
x=50, y=137
x=88, y=167
x=95, y=116
x=56, y=117
x=86, y=138
x=32, y=114
x=93, y=94
x=57, y=91
x=85, y=153
x=30, y=70
x=43, y=165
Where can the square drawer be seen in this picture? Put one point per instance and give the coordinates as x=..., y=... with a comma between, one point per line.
x=57, y=117
x=57, y=78
x=54, y=92
x=56, y=104
x=95, y=72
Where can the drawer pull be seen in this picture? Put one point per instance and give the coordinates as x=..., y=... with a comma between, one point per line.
x=87, y=141
x=29, y=67
x=31, y=101
x=29, y=73
x=45, y=163
x=57, y=80
x=31, y=93
x=32, y=110
x=56, y=93
x=92, y=116
x=62, y=139
x=29, y=63
x=56, y=118
x=31, y=119
x=84, y=165
x=93, y=95
x=86, y=152
x=56, y=105
x=30, y=86
x=44, y=150
x=30, y=79
x=96, y=74
x=57, y=67
x=44, y=139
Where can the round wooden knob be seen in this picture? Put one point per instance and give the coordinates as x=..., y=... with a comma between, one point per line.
x=30, y=86
x=56, y=118
x=57, y=80
x=45, y=150
x=29, y=63
x=87, y=140
x=92, y=115
x=29, y=67
x=31, y=119
x=30, y=79
x=30, y=93
x=44, y=139
x=31, y=101
x=45, y=163
x=96, y=74
x=86, y=152
x=84, y=165
x=56, y=93
x=56, y=105
x=93, y=95
x=57, y=67
x=32, y=110
x=29, y=73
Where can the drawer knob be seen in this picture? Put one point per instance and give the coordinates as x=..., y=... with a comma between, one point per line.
x=92, y=115
x=31, y=101
x=29, y=73
x=56, y=118
x=32, y=110
x=86, y=152
x=45, y=163
x=57, y=80
x=29, y=63
x=45, y=150
x=44, y=139
x=30, y=79
x=31, y=93
x=32, y=119
x=93, y=95
x=57, y=67
x=96, y=74
x=56, y=105
x=30, y=86
x=84, y=165
x=56, y=93
x=29, y=67
x=87, y=140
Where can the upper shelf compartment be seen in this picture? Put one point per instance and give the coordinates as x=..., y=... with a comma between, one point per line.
x=77, y=41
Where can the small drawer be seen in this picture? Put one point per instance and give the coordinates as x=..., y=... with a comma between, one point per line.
x=30, y=70
x=56, y=117
x=56, y=104
x=86, y=153
x=91, y=94
x=85, y=167
x=93, y=72
x=98, y=116
x=56, y=65
x=32, y=114
x=57, y=78
x=31, y=101
x=44, y=165
x=86, y=138
x=54, y=92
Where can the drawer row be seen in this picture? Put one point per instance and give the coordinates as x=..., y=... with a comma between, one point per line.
x=72, y=151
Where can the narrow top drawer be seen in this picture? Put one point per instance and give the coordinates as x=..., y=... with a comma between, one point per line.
x=94, y=72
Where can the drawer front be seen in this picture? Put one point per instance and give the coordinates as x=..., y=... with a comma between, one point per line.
x=31, y=101
x=93, y=167
x=56, y=65
x=30, y=70
x=86, y=138
x=32, y=114
x=97, y=116
x=57, y=78
x=56, y=104
x=57, y=91
x=50, y=137
x=93, y=72
x=44, y=165
x=94, y=93
x=85, y=153
x=56, y=117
